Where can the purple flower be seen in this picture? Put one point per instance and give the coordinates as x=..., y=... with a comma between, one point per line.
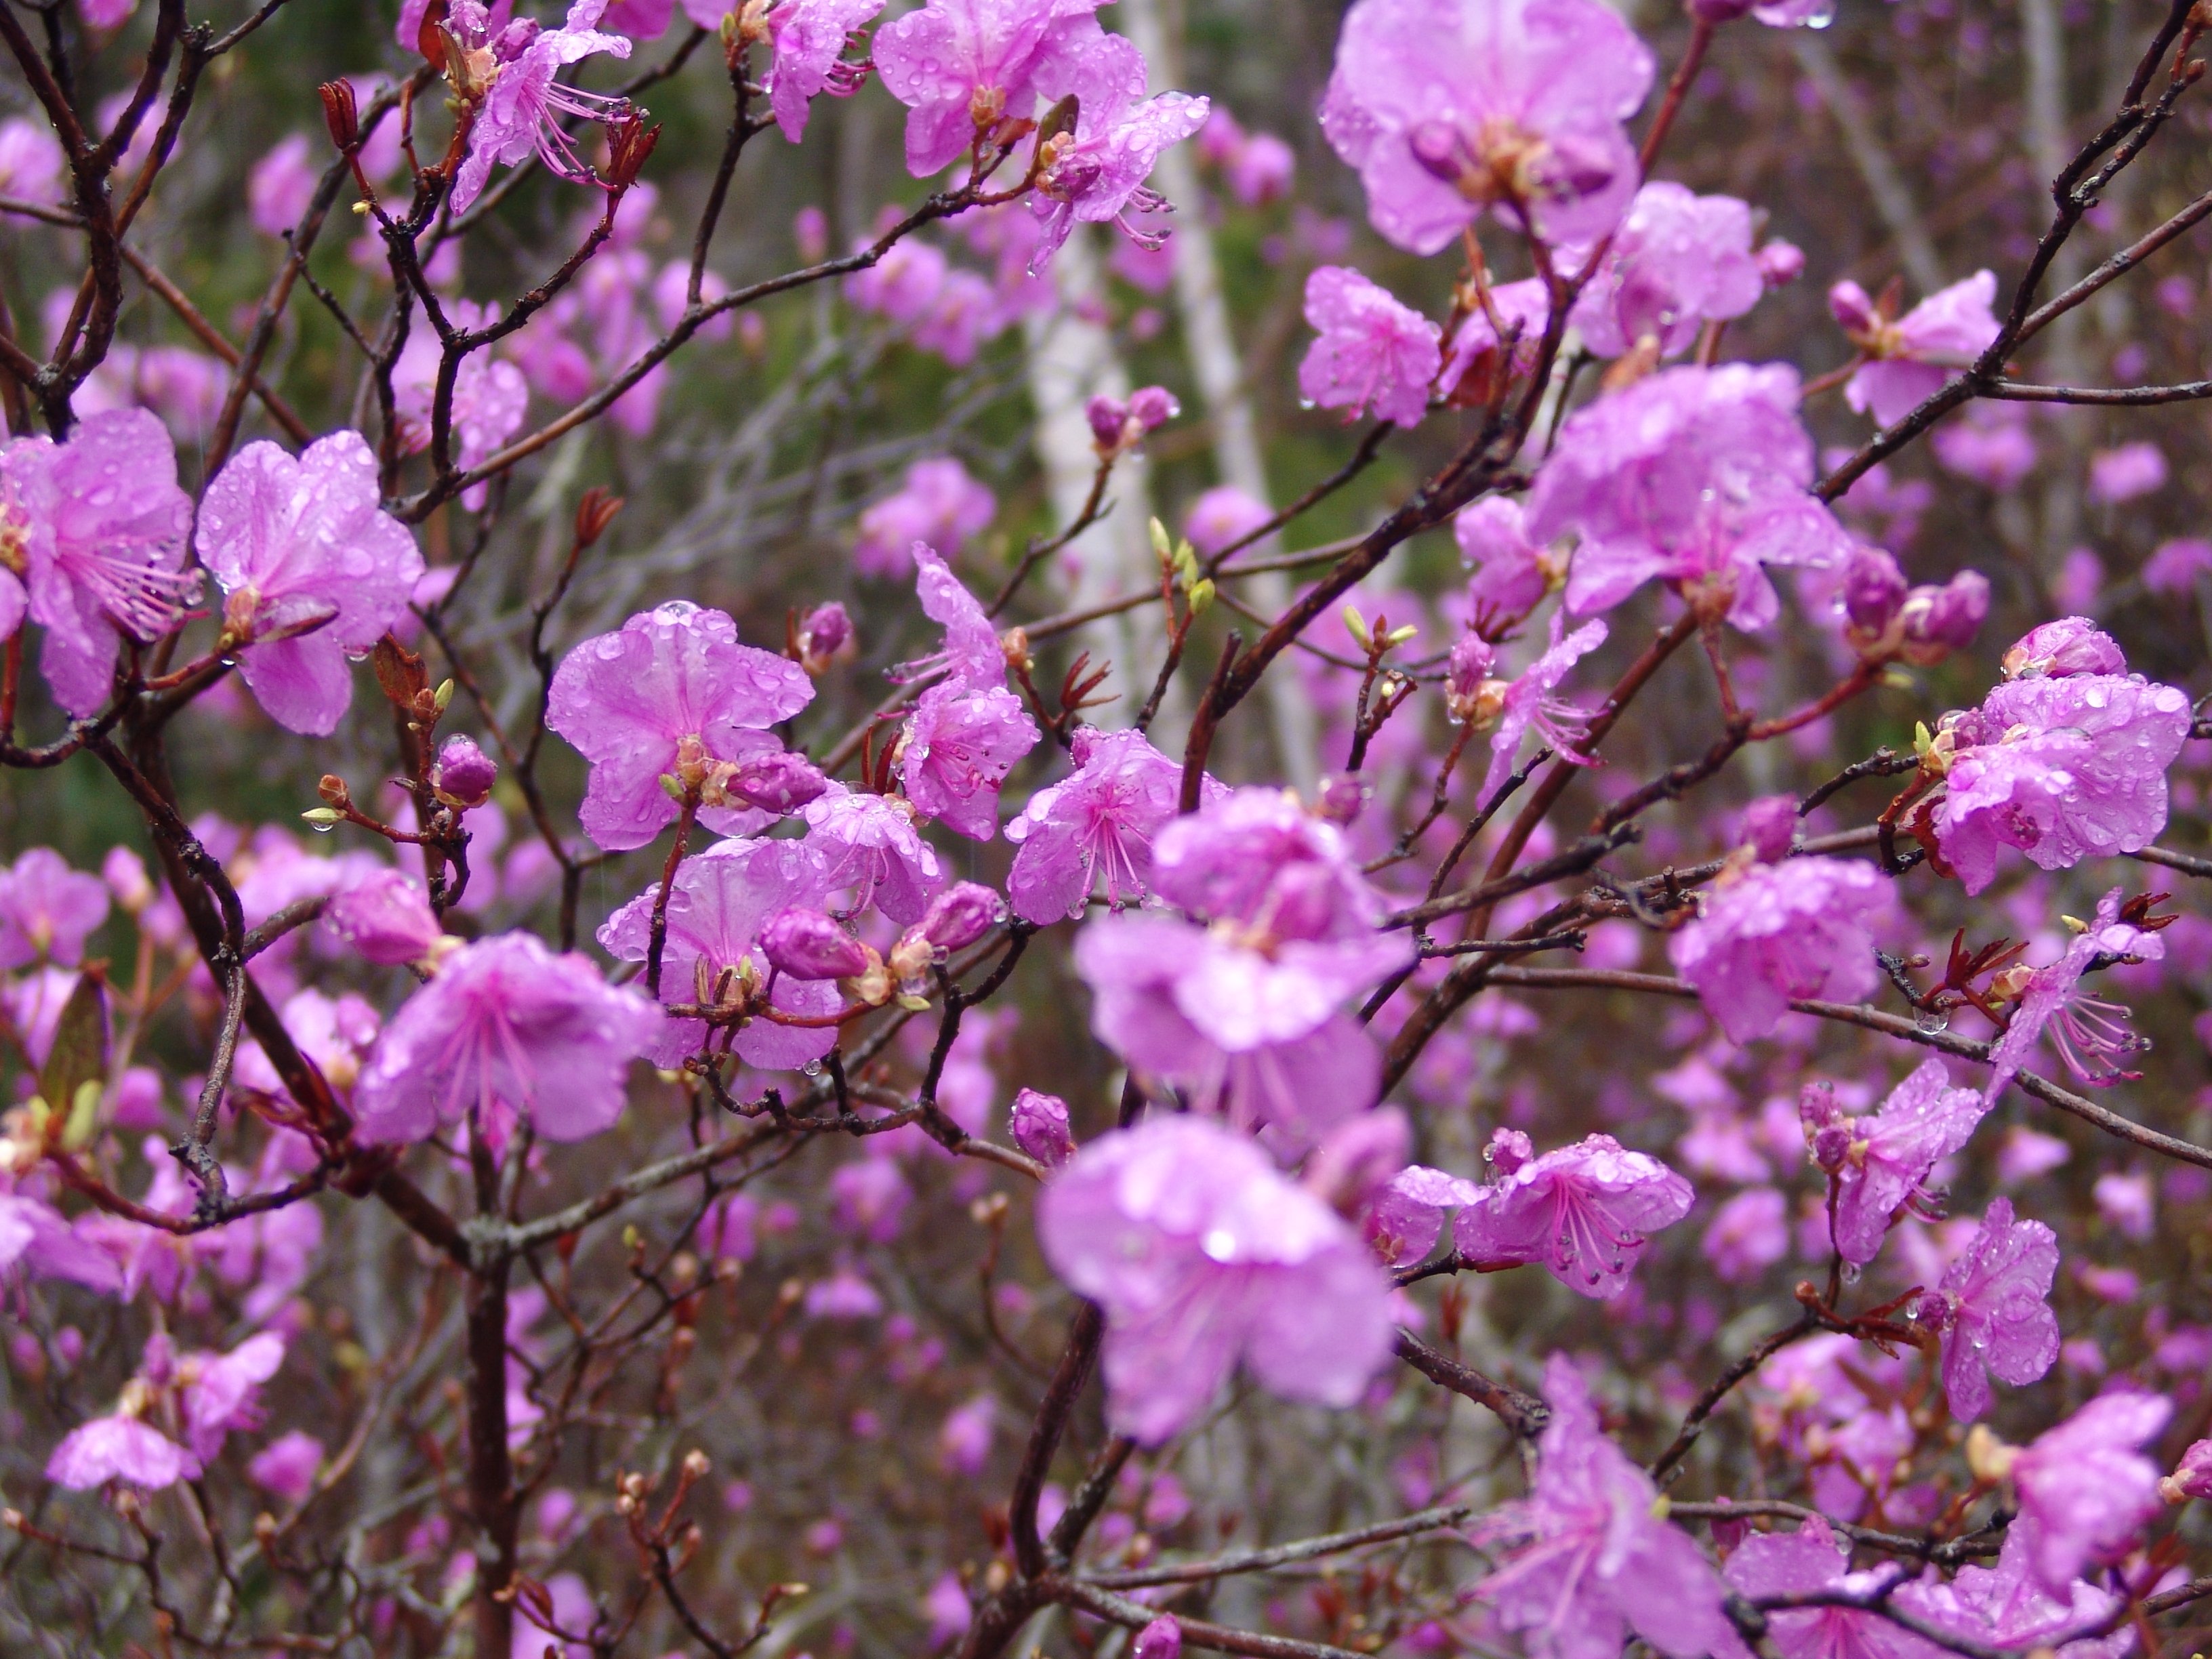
x=1202, y=1255
x=32, y=1235
x=962, y=66
x=2192, y=1476
x=2121, y=475
x=2005, y=1607
x=47, y=910
x=1040, y=1127
x=31, y=161
x=1524, y=308
x=122, y=1448
x=2086, y=1487
x=1989, y=443
x=1512, y=573
x=972, y=656
x=1100, y=821
x=1096, y=174
x=960, y=743
x=1769, y=934
x=222, y=1392
x=521, y=103
x=1594, y=1559
x=1402, y=1223
x=1679, y=260
x=463, y=774
x=2056, y=650
x=1808, y=1562
x=1161, y=1639
x=2092, y=1036
x=718, y=906
x=1527, y=702
x=506, y=1028
x=810, y=37
x=1223, y=515
x=491, y=396
x=94, y=530
x=2063, y=768
x=1448, y=107
x=1749, y=1233
x=1584, y=1211
x=285, y=1467
x=1992, y=1312
x=804, y=943
x=1697, y=477
x=385, y=918
x=939, y=504
x=672, y=693
x=956, y=918
x=313, y=571
x=826, y=635
x=1373, y=351
x=1915, y=354
x=281, y=186
x=2173, y=568
x=1877, y=1163
x=871, y=846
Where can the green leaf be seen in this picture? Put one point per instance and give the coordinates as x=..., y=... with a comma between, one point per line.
x=79, y=1055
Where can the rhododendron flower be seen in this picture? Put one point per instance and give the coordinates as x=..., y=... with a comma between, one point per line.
x=492, y=398
x=972, y=656
x=870, y=846
x=313, y=572
x=1403, y=1221
x=2122, y=474
x=672, y=693
x=285, y=1467
x=1100, y=821
x=1448, y=107
x=960, y=744
x=1988, y=442
x=962, y=66
x=1769, y=934
x=1512, y=573
x=123, y=1449
x=2056, y=650
x=2006, y=1607
x=520, y=114
x=2086, y=1486
x=1373, y=352
x=1879, y=1163
x=91, y=539
x=47, y=910
x=1202, y=1254
x=1697, y=476
x=718, y=905
x=1916, y=354
x=2093, y=1037
x=35, y=1238
x=1750, y=1232
x=1992, y=1312
x=222, y=1392
x=1222, y=516
x=1810, y=1561
x=1520, y=310
x=1096, y=174
x=809, y=36
x=1678, y=261
x=31, y=162
x=2062, y=768
x=1584, y=1211
x=1527, y=703
x=1593, y=1560
x=281, y=186
x=939, y=504
x=507, y=1029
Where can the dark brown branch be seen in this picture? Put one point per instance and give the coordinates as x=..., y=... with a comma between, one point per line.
x=1523, y=1414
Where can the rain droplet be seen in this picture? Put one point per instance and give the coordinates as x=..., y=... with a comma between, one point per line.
x=1851, y=1273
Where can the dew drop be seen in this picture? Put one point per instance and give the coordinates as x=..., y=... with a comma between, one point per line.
x=1851, y=1272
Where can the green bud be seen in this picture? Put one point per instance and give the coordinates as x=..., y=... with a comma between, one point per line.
x=1201, y=597
x=1356, y=625
x=324, y=818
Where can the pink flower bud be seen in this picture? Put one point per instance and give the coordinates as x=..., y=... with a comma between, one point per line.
x=825, y=636
x=2191, y=1477
x=960, y=915
x=1040, y=1129
x=1342, y=799
x=1472, y=660
x=1153, y=406
x=464, y=774
x=2072, y=645
x=803, y=943
x=1770, y=824
x=1853, y=308
x=1161, y=1639
x=1779, y=263
x=385, y=918
x=1507, y=1151
x=780, y=782
x=1941, y=620
x=1109, y=418
x=1873, y=588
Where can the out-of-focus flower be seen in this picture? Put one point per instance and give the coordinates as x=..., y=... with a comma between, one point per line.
x=1988, y=442
x=2006, y=1607
x=1811, y=1561
x=47, y=910
x=122, y=1448
x=938, y=503
x=285, y=1467
x=1373, y=352
x=280, y=186
x=384, y=917
x=1586, y=1212
x=2122, y=474
x=2085, y=1487
x=1771, y=933
x=1749, y=1234
x=1222, y=516
x=31, y=161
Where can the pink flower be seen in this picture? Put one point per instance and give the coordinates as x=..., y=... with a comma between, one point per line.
x=1809, y=1561
x=1223, y=515
x=520, y=113
x=1771, y=933
x=1988, y=442
x=1877, y=1163
x=960, y=744
x=312, y=572
x=1696, y=477
x=506, y=1028
x=672, y=693
x=47, y=910
x=120, y=1448
x=871, y=846
x=1100, y=821
x=1522, y=309
x=718, y=906
x=1914, y=355
x=2092, y=1036
x=1202, y=1254
x=2086, y=1486
x=1372, y=351
x=1095, y=175
x=1402, y=1223
x=281, y=186
x=962, y=66
x=1527, y=703
x=222, y=1392
x=2062, y=768
x=30, y=161
x=1749, y=1234
x=34, y=1236
x=1584, y=1211
x=809, y=36
x=96, y=528
x=963, y=1443
x=2122, y=474
x=285, y=1467
x=1448, y=107
x=1512, y=573
x=939, y=504
x=1991, y=1308
x=2004, y=1605
x=1593, y=1560
x=1678, y=261
x=491, y=396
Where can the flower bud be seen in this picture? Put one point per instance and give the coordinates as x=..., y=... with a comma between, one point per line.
x=2072, y=645
x=1779, y=263
x=1873, y=588
x=1468, y=673
x=1356, y=1157
x=1152, y=407
x=2191, y=1477
x=1341, y=798
x=1109, y=417
x=463, y=774
x=778, y=782
x=803, y=943
x=826, y=636
x=385, y=918
x=1854, y=309
x=960, y=915
x=1938, y=621
x=1040, y=1128
x=1161, y=1639
x=1507, y=1151
x=1769, y=824
x=340, y=113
